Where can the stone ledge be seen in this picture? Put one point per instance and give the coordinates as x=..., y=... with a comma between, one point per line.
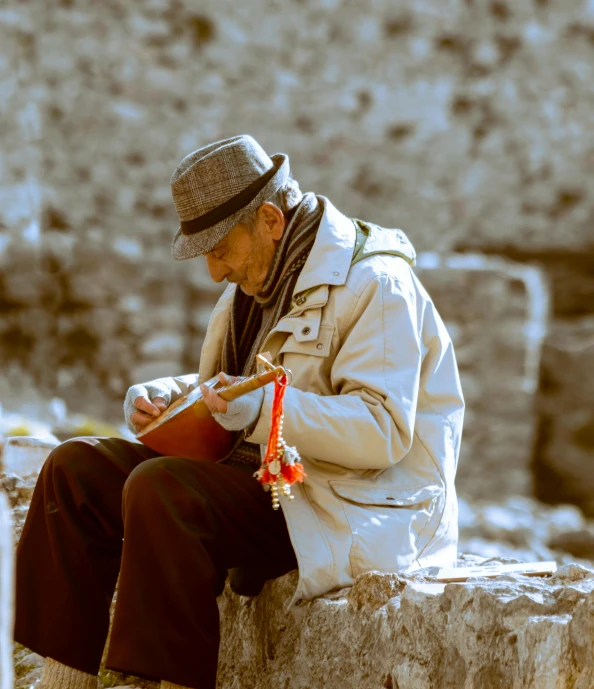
x=389, y=631
x=6, y=593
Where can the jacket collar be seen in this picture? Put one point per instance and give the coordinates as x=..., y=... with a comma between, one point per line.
x=330, y=258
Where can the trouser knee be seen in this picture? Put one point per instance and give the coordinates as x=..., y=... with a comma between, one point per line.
x=70, y=459
x=165, y=485
x=147, y=483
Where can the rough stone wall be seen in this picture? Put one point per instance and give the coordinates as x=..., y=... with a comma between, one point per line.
x=21, y=125
x=469, y=124
x=89, y=321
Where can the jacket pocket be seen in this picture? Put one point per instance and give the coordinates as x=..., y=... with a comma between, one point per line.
x=310, y=340
x=390, y=525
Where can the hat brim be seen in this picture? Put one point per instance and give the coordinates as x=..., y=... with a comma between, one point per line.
x=190, y=246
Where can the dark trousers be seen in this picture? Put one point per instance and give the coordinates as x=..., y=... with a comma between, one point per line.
x=170, y=527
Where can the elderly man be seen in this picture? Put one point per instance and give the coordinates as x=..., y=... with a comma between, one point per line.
x=375, y=410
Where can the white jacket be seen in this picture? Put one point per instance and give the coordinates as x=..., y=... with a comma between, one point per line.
x=375, y=409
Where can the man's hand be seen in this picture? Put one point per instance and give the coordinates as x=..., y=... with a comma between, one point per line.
x=147, y=411
x=237, y=414
x=144, y=402
x=212, y=399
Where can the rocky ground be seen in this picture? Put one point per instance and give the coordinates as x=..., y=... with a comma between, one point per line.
x=520, y=529
x=398, y=632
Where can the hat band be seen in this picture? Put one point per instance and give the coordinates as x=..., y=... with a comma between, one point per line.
x=230, y=207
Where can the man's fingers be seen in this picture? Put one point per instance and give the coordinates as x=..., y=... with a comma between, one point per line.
x=213, y=401
x=140, y=419
x=160, y=403
x=147, y=406
x=226, y=379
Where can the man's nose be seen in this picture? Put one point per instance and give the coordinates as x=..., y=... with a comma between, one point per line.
x=218, y=269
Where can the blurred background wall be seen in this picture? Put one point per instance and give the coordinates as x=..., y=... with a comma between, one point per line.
x=468, y=123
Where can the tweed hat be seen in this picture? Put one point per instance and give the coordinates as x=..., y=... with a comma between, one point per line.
x=215, y=186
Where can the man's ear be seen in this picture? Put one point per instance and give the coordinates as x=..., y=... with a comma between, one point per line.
x=274, y=220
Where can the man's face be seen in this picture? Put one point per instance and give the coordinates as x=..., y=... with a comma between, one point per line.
x=244, y=256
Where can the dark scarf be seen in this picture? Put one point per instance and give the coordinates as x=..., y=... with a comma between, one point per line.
x=246, y=332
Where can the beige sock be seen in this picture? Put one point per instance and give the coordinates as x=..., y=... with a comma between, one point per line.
x=171, y=685
x=58, y=676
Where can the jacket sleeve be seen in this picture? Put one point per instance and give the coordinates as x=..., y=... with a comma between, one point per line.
x=369, y=422
x=170, y=389
x=179, y=386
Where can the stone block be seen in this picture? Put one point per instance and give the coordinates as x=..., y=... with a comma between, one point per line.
x=525, y=529
x=25, y=455
x=571, y=276
x=6, y=591
x=496, y=313
x=564, y=452
x=395, y=631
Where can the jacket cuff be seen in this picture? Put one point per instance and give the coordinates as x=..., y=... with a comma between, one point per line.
x=242, y=412
x=260, y=433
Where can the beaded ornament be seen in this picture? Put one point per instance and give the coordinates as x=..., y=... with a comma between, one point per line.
x=281, y=465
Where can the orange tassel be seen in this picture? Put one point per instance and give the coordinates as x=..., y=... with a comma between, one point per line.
x=281, y=466
x=294, y=473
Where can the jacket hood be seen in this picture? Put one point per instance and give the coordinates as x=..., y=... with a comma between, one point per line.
x=372, y=239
